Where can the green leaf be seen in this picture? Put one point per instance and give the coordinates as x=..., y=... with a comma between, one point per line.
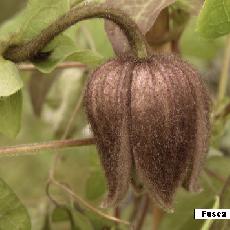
x=81, y=221
x=207, y=224
x=63, y=47
x=99, y=222
x=95, y=185
x=77, y=218
x=10, y=80
x=144, y=13
x=30, y=21
x=214, y=18
x=96, y=30
x=10, y=114
x=83, y=218
x=10, y=30
x=13, y=214
x=59, y=214
x=87, y=57
x=35, y=13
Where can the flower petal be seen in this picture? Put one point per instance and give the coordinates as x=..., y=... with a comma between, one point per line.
x=203, y=103
x=107, y=101
x=163, y=115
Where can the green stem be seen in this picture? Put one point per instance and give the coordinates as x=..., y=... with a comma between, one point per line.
x=223, y=83
x=30, y=49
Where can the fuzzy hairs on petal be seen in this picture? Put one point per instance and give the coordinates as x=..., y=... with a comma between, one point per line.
x=163, y=117
x=106, y=102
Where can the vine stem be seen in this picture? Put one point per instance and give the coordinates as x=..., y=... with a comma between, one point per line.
x=30, y=49
x=87, y=205
x=29, y=149
x=53, y=181
x=223, y=83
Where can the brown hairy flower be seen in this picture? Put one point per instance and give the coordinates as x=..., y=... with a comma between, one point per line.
x=151, y=117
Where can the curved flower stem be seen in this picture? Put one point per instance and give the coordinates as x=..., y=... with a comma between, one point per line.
x=30, y=49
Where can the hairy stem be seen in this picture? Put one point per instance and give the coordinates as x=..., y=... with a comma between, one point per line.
x=35, y=147
x=29, y=50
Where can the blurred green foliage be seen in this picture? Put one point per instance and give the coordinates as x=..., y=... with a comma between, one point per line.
x=214, y=19
x=12, y=209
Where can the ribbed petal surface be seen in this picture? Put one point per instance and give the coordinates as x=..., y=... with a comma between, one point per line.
x=107, y=100
x=151, y=116
x=203, y=105
x=164, y=122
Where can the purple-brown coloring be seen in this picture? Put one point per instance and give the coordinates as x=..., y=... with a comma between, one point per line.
x=152, y=116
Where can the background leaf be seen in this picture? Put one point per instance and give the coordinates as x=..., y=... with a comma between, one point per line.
x=10, y=114
x=193, y=45
x=38, y=10
x=10, y=80
x=214, y=18
x=64, y=47
x=95, y=185
x=9, y=8
x=96, y=33
x=81, y=221
x=99, y=222
x=30, y=21
x=143, y=12
x=39, y=87
x=13, y=214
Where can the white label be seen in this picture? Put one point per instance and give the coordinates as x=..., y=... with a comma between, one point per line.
x=220, y=214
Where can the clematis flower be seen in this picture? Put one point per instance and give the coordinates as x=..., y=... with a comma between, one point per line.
x=151, y=117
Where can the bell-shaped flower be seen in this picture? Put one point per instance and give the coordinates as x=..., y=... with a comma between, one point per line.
x=151, y=117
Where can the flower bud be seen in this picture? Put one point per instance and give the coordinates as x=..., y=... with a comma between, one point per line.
x=152, y=116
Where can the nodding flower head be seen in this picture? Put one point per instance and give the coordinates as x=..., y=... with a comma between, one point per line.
x=151, y=117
